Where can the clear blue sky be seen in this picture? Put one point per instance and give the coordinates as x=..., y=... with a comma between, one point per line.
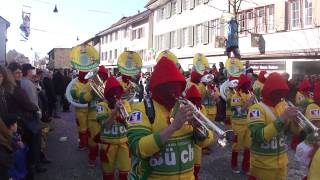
x=75, y=18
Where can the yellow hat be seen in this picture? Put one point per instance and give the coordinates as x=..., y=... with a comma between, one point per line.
x=84, y=57
x=234, y=67
x=169, y=55
x=129, y=63
x=200, y=63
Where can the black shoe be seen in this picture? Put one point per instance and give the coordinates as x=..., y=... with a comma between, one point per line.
x=40, y=169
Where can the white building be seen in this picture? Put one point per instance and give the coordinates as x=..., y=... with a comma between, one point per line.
x=287, y=31
x=4, y=25
x=129, y=33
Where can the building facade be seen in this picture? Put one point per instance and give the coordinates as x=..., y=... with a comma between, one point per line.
x=129, y=33
x=4, y=25
x=59, y=58
x=275, y=35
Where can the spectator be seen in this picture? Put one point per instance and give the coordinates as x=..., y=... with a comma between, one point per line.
x=7, y=85
x=222, y=73
x=33, y=124
x=7, y=150
x=66, y=81
x=59, y=90
x=49, y=91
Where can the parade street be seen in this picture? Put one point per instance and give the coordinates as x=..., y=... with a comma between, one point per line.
x=71, y=164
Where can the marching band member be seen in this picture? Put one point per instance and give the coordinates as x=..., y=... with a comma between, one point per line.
x=240, y=103
x=258, y=84
x=81, y=85
x=267, y=121
x=162, y=143
x=170, y=56
x=194, y=96
x=307, y=152
x=113, y=139
x=229, y=95
x=303, y=99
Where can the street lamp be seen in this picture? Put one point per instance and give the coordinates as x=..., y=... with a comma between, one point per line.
x=55, y=10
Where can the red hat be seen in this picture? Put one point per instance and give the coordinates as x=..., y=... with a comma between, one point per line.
x=305, y=85
x=111, y=83
x=193, y=92
x=164, y=72
x=261, y=76
x=274, y=83
x=81, y=76
x=244, y=82
x=102, y=69
x=195, y=77
x=316, y=91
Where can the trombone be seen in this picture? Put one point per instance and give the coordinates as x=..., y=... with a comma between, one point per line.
x=304, y=122
x=223, y=136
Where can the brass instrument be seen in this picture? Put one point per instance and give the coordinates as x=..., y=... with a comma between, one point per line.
x=96, y=83
x=256, y=101
x=304, y=122
x=224, y=88
x=122, y=110
x=223, y=136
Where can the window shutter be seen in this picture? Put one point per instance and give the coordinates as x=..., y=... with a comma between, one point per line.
x=168, y=10
x=171, y=40
x=280, y=15
x=191, y=36
x=179, y=38
x=179, y=6
x=191, y=4
x=205, y=32
x=315, y=13
x=167, y=35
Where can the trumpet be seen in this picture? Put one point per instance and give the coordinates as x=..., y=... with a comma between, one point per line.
x=255, y=97
x=96, y=83
x=122, y=110
x=223, y=136
x=304, y=122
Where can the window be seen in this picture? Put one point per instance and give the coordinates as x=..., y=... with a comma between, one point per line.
x=106, y=55
x=242, y=23
x=105, y=39
x=198, y=34
x=115, y=53
x=184, y=37
x=140, y=33
x=116, y=35
x=270, y=18
x=102, y=55
x=308, y=12
x=173, y=8
x=133, y=34
x=161, y=13
x=102, y=40
x=198, y=2
x=110, y=37
x=173, y=39
x=295, y=13
x=125, y=31
x=250, y=22
x=185, y=4
x=260, y=20
x=214, y=28
x=110, y=54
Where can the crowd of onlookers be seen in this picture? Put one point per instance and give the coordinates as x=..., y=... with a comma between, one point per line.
x=29, y=99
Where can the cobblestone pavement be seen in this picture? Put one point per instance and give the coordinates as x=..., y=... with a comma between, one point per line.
x=71, y=164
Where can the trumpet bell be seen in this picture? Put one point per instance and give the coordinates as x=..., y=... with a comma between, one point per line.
x=207, y=78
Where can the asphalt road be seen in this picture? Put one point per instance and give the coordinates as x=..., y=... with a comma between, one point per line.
x=71, y=164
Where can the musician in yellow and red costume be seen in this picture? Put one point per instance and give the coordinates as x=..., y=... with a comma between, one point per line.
x=194, y=96
x=240, y=102
x=308, y=152
x=267, y=123
x=113, y=135
x=81, y=85
x=258, y=84
x=91, y=99
x=303, y=99
x=163, y=145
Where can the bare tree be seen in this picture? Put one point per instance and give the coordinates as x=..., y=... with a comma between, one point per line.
x=14, y=56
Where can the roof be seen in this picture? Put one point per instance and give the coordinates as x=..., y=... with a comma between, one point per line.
x=5, y=21
x=51, y=51
x=150, y=2
x=126, y=21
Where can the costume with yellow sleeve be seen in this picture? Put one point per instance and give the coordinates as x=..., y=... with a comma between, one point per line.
x=113, y=136
x=269, y=158
x=81, y=85
x=240, y=125
x=258, y=84
x=151, y=159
